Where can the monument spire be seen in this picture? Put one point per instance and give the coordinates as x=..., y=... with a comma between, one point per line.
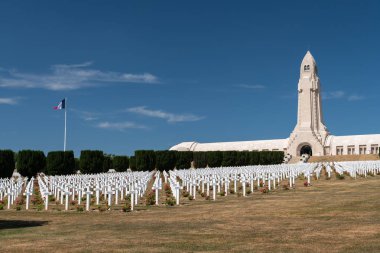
x=310, y=129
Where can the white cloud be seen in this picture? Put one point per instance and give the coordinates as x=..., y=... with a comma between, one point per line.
x=250, y=86
x=341, y=95
x=170, y=117
x=9, y=101
x=355, y=98
x=119, y=125
x=70, y=77
x=333, y=94
x=86, y=115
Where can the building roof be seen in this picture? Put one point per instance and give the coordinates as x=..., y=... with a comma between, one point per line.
x=279, y=144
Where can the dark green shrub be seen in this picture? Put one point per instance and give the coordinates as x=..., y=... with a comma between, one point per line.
x=184, y=159
x=60, y=163
x=242, y=158
x=120, y=163
x=30, y=162
x=229, y=158
x=132, y=163
x=7, y=163
x=145, y=160
x=254, y=158
x=200, y=159
x=165, y=160
x=107, y=163
x=214, y=158
x=91, y=161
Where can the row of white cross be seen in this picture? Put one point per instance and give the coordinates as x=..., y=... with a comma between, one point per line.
x=353, y=168
x=11, y=189
x=218, y=178
x=268, y=175
x=114, y=186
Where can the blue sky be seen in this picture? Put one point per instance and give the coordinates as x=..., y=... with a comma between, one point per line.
x=151, y=74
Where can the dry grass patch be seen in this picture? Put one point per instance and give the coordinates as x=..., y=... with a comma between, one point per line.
x=330, y=216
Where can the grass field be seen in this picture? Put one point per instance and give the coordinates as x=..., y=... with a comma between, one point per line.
x=330, y=216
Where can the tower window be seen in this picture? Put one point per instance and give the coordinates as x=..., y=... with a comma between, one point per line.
x=306, y=67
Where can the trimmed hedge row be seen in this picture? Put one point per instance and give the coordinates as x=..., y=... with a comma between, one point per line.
x=60, y=163
x=30, y=162
x=7, y=163
x=167, y=160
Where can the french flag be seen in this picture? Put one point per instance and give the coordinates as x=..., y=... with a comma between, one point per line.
x=61, y=105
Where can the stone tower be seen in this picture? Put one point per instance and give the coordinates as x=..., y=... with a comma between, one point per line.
x=310, y=133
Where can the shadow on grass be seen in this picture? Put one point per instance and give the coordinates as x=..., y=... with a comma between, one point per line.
x=9, y=224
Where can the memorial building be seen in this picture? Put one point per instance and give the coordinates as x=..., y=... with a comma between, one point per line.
x=310, y=135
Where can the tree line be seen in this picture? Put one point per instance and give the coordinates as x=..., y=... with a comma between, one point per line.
x=30, y=162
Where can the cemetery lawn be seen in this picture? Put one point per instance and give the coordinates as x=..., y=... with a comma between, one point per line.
x=330, y=216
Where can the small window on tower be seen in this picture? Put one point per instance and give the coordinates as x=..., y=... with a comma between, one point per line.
x=306, y=68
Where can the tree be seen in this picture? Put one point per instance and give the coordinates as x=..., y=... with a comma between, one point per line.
x=214, y=158
x=165, y=160
x=120, y=163
x=91, y=161
x=30, y=162
x=60, y=163
x=7, y=163
x=145, y=160
x=184, y=159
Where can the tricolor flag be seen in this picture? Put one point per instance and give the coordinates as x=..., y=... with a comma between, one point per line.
x=61, y=105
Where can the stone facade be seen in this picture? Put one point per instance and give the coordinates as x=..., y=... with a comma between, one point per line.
x=310, y=134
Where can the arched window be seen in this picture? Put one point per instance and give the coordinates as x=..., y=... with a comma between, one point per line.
x=306, y=68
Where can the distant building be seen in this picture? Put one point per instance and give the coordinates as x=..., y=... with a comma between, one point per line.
x=310, y=135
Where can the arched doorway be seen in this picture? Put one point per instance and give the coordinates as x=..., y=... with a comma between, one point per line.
x=306, y=149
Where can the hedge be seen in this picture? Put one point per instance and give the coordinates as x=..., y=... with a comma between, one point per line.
x=91, y=161
x=184, y=159
x=7, y=163
x=30, y=162
x=132, y=163
x=145, y=160
x=214, y=158
x=120, y=163
x=60, y=163
x=200, y=159
x=166, y=160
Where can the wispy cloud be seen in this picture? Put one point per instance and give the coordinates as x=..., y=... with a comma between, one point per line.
x=169, y=117
x=342, y=95
x=86, y=115
x=250, y=86
x=70, y=77
x=355, y=98
x=9, y=101
x=333, y=94
x=120, y=126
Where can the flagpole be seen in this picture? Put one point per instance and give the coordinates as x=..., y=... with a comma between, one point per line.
x=64, y=139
